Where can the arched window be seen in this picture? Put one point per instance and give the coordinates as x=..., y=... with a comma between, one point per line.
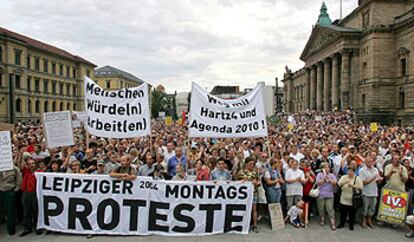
x=54, y=106
x=46, y=106
x=37, y=106
x=18, y=105
x=74, y=107
x=67, y=106
x=61, y=106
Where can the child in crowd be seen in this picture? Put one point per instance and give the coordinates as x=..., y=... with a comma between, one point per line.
x=296, y=215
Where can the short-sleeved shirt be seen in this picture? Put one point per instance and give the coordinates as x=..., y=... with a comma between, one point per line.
x=371, y=189
x=326, y=190
x=129, y=170
x=347, y=191
x=294, y=188
x=247, y=175
x=395, y=181
x=145, y=170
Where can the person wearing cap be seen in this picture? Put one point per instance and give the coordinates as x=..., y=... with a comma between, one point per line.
x=100, y=168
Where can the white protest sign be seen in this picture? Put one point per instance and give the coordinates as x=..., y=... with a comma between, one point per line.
x=58, y=129
x=6, y=154
x=99, y=204
x=78, y=118
x=220, y=118
x=117, y=114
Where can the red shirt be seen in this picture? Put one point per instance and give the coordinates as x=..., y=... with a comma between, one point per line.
x=203, y=174
x=30, y=148
x=308, y=185
x=29, y=181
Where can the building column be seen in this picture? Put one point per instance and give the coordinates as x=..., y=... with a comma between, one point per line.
x=345, y=80
x=306, y=91
x=319, y=86
x=312, y=89
x=335, y=83
x=327, y=85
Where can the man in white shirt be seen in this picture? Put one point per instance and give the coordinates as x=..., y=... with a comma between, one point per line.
x=169, y=152
x=295, y=178
x=295, y=154
x=370, y=176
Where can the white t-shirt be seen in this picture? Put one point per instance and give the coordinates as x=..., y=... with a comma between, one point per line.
x=294, y=188
x=299, y=156
x=371, y=189
x=168, y=155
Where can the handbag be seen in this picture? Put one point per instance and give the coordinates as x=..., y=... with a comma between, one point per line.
x=314, y=192
x=356, y=197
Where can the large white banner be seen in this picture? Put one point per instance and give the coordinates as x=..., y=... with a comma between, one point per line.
x=117, y=114
x=98, y=204
x=211, y=116
x=58, y=129
x=6, y=153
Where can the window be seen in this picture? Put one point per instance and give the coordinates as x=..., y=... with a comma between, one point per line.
x=37, y=85
x=61, y=106
x=45, y=86
x=46, y=106
x=37, y=106
x=28, y=61
x=73, y=73
x=74, y=107
x=29, y=80
x=403, y=63
x=61, y=70
x=67, y=89
x=17, y=55
x=363, y=101
x=1, y=79
x=17, y=82
x=402, y=100
x=54, y=106
x=37, y=64
x=365, y=19
x=18, y=105
x=54, y=87
x=29, y=106
x=61, y=88
x=108, y=84
x=74, y=91
x=88, y=73
x=67, y=72
x=1, y=54
x=45, y=65
x=54, y=68
x=67, y=106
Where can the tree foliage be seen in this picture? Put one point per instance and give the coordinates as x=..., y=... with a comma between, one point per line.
x=158, y=102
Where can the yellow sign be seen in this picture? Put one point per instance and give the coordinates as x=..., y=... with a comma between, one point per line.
x=374, y=127
x=168, y=121
x=393, y=206
x=290, y=126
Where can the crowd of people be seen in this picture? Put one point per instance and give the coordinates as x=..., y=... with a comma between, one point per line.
x=324, y=163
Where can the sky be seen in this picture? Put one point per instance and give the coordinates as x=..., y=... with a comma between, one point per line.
x=176, y=42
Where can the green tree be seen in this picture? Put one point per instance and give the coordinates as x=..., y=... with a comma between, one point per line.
x=158, y=102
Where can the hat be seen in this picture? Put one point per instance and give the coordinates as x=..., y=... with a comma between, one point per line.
x=101, y=162
x=351, y=147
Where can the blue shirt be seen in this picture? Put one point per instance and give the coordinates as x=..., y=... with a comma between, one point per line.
x=172, y=164
x=220, y=175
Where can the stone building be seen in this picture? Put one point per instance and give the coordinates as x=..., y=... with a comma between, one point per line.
x=362, y=62
x=111, y=78
x=36, y=77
